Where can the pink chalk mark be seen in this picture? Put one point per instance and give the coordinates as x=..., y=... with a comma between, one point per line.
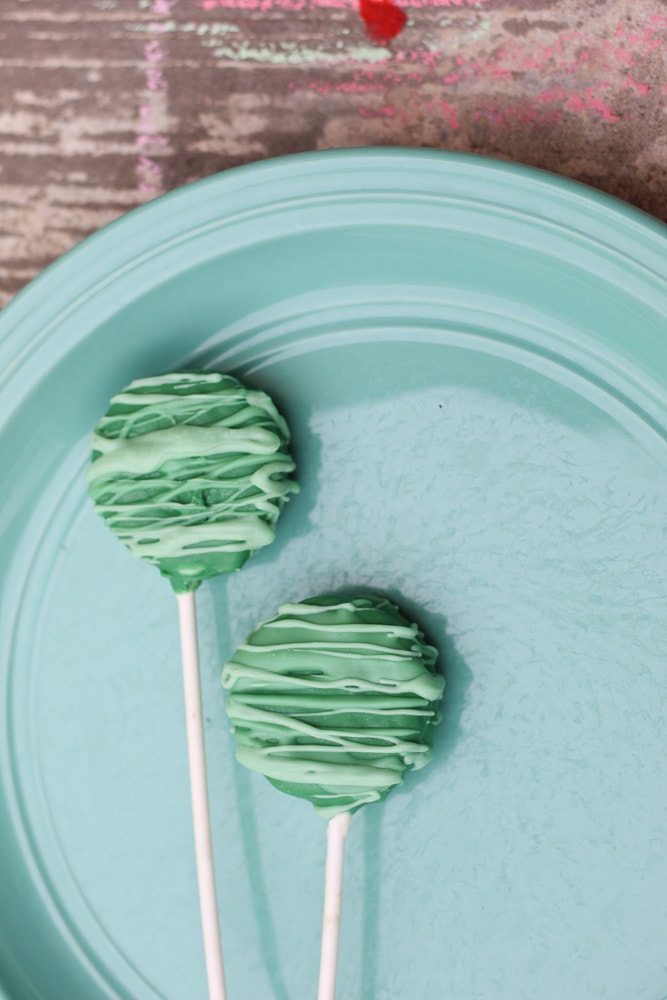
x=155, y=79
x=591, y=103
x=345, y=87
x=419, y=107
x=523, y=114
x=573, y=59
x=579, y=103
x=152, y=140
x=555, y=94
x=267, y=5
x=153, y=51
x=642, y=88
x=150, y=166
x=363, y=81
x=356, y=87
x=424, y=57
x=490, y=114
x=210, y=5
x=622, y=56
x=572, y=50
x=384, y=112
x=150, y=176
x=571, y=62
x=449, y=114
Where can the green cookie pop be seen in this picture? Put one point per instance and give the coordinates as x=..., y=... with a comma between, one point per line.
x=190, y=471
x=334, y=701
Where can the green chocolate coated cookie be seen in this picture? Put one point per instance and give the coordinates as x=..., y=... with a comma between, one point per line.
x=334, y=700
x=190, y=471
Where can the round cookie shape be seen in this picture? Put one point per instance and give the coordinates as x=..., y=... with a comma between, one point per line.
x=191, y=470
x=334, y=700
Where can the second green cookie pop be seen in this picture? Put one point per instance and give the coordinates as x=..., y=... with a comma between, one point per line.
x=334, y=700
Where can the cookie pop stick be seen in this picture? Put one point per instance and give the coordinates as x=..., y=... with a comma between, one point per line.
x=334, y=701
x=201, y=821
x=333, y=897
x=190, y=471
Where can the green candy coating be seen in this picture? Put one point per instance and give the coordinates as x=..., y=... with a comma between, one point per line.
x=190, y=471
x=334, y=700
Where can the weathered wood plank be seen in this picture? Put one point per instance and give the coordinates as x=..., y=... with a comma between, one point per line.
x=105, y=104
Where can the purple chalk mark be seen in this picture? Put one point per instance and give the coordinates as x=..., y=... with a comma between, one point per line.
x=153, y=51
x=150, y=175
x=155, y=79
x=152, y=140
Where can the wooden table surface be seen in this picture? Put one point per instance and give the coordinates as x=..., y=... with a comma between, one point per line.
x=108, y=103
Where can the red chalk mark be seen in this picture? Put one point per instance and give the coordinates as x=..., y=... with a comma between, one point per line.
x=383, y=19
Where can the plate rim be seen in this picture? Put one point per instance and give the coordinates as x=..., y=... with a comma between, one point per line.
x=65, y=280
x=636, y=222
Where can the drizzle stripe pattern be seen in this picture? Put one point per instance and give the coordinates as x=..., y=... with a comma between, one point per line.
x=191, y=471
x=334, y=700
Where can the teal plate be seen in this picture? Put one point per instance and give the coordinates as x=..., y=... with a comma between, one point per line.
x=473, y=359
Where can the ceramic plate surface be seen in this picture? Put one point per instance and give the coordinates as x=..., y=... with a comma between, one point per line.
x=473, y=360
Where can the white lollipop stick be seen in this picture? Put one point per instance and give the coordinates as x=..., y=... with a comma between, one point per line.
x=200, y=814
x=333, y=892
